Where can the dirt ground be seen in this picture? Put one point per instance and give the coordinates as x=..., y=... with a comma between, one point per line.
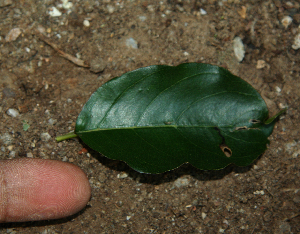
x=48, y=91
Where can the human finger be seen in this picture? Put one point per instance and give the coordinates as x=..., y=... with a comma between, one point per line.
x=38, y=189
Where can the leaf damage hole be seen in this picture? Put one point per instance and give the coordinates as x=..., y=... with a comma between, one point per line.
x=241, y=128
x=226, y=150
x=254, y=121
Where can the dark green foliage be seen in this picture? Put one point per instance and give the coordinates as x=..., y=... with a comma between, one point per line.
x=158, y=117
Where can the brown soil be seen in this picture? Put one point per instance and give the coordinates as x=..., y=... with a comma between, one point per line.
x=49, y=92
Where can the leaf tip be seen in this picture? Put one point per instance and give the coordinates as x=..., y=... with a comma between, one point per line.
x=275, y=117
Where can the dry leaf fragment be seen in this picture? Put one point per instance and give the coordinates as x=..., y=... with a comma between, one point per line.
x=243, y=12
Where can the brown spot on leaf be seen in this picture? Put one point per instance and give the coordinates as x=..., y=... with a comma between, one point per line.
x=254, y=121
x=241, y=128
x=226, y=150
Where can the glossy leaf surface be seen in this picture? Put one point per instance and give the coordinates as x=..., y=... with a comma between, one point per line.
x=158, y=117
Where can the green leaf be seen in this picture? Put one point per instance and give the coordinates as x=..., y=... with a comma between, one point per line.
x=158, y=117
x=26, y=126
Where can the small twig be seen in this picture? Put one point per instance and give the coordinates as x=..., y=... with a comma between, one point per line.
x=254, y=227
x=292, y=217
x=291, y=189
x=71, y=58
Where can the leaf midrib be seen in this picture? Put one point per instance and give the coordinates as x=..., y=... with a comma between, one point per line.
x=154, y=126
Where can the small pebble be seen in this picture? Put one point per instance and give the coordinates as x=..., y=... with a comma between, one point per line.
x=181, y=182
x=7, y=92
x=12, y=154
x=259, y=192
x=289, y=147
x=203, y=12
x=110, y=9
x=286, y=21
x=238, y=48
x=86, y=23
x=13, y=35
x=12, y=112
x=45, y=136
x=285, y=227
x=260, y=64
x=29, y=155
x=66, y=4
x=122, y=175
x=296, y=154
x=203, y=215
x=4, y=3
x=10, y=147
x=226, y=221
x=131, y=43
x=142, y=18
x=53, y=12
x=52, y=121
x=97, y=65
x=6, y=138
x=278, y=90
x=296, y=44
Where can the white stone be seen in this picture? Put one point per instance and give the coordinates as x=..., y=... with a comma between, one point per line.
x=131, y=43
x=203, y=12
x=286, y=21
x=181, y=182
x=278, y=90
x=296, y=44
x=45, y=136
x=238, y=48
x=110, y=9
x=122, y=175
x=13, y=112
x=259, y=192
x=86, y=23
x=53, y=12
x=66, y=4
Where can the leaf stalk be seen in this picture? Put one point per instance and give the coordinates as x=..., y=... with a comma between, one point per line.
x=66, y=137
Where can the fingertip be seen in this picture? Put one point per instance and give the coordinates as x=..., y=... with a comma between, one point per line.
x=36, y=189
